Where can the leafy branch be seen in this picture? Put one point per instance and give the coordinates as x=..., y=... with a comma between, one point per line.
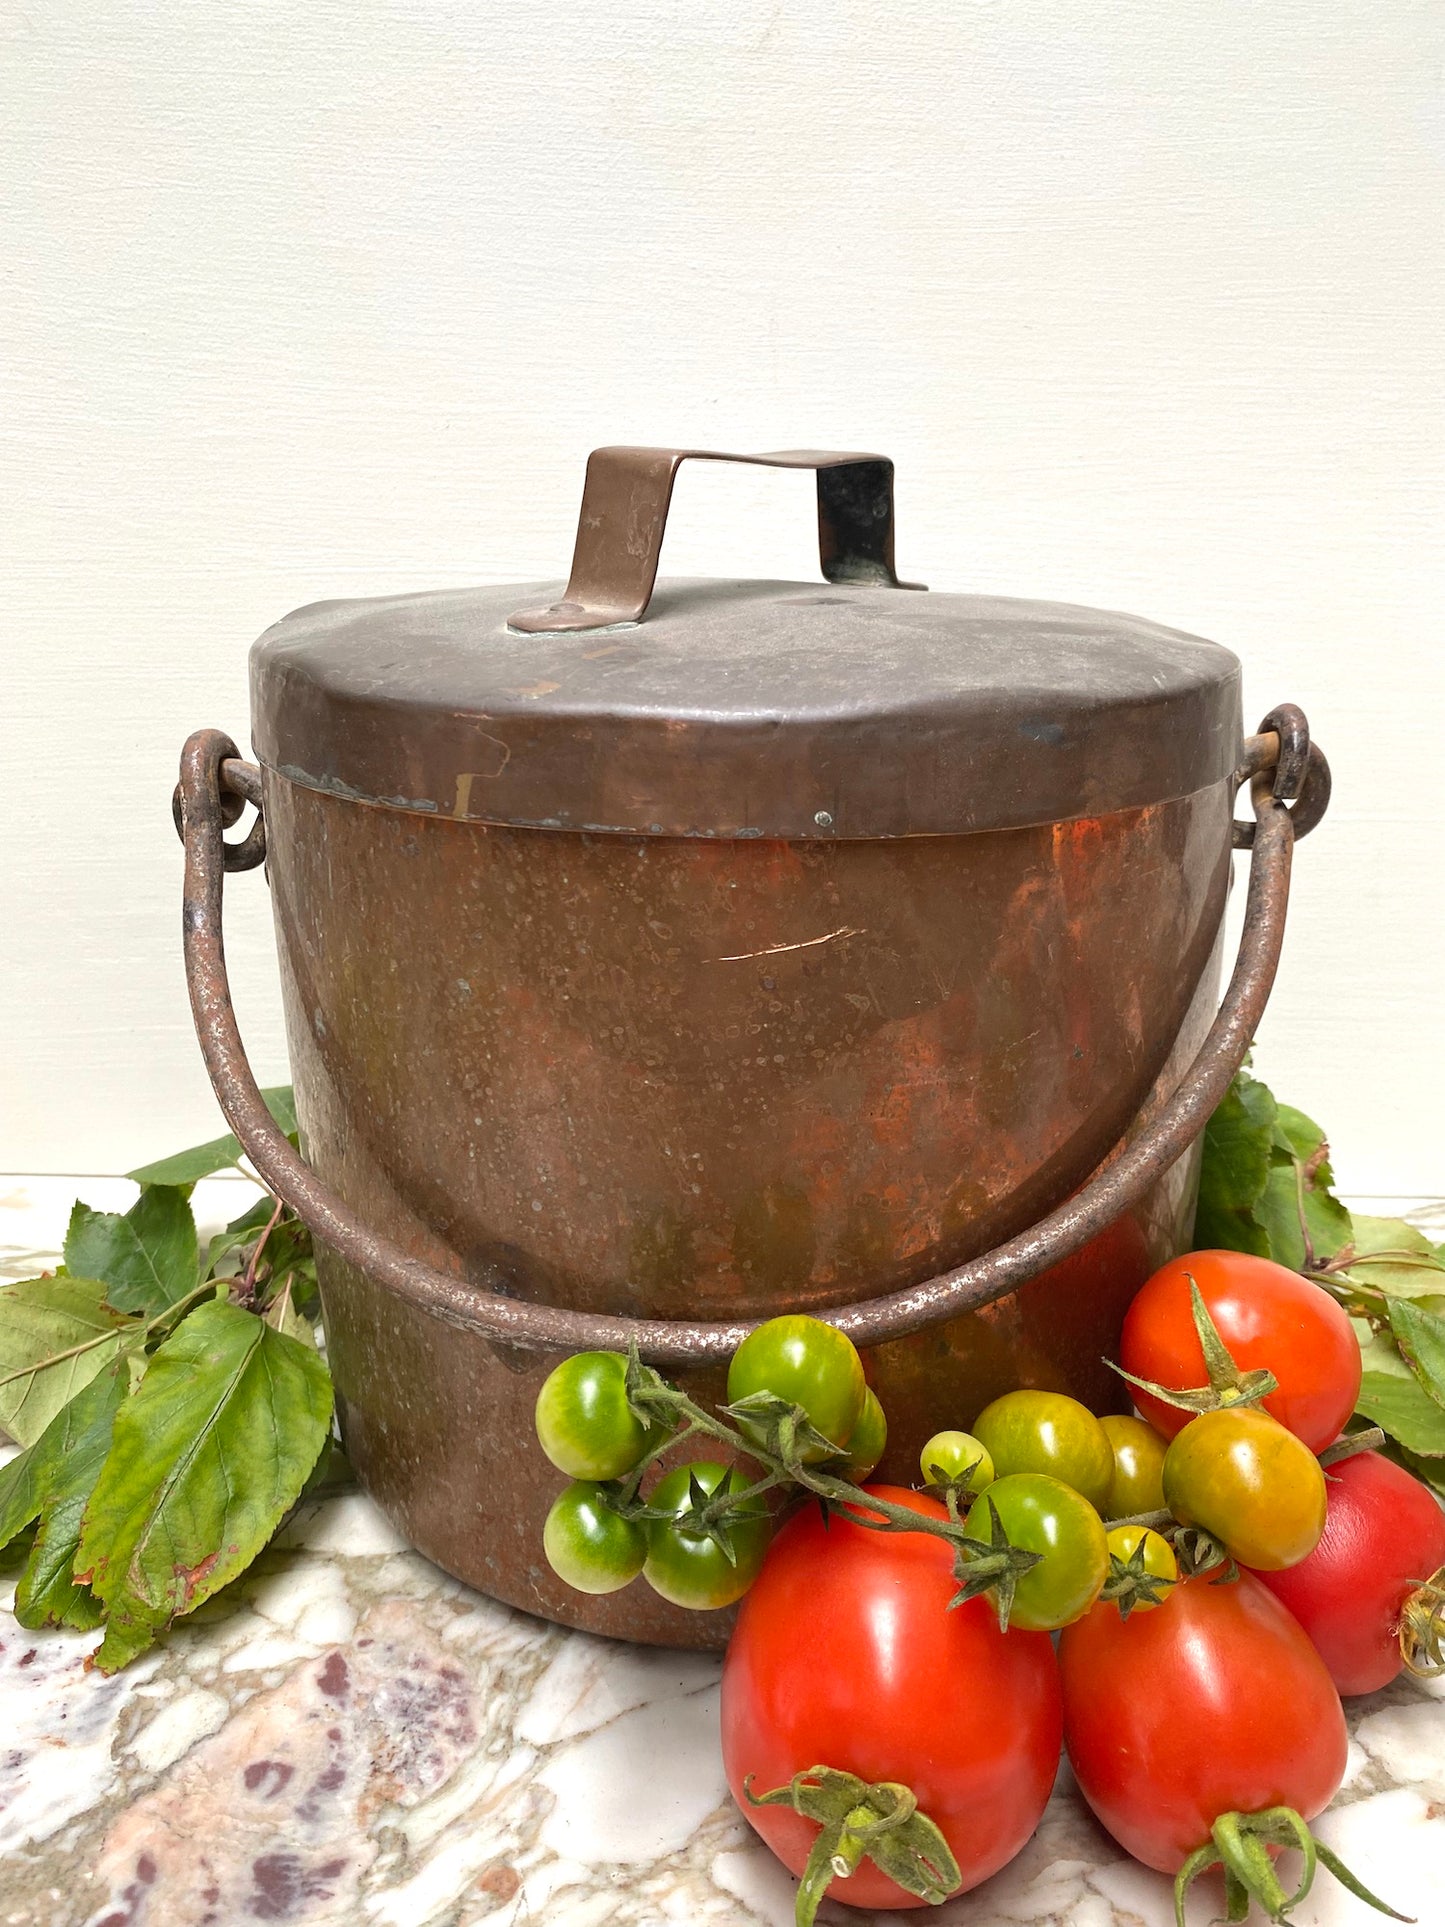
x=172, y=1410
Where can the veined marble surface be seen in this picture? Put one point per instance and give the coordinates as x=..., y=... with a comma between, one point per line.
x=349, y=1736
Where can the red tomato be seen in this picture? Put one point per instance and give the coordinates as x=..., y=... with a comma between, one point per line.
x=1267, y=1316
x=1383, y=1533
x=846, y=1655
x=1217, y=1703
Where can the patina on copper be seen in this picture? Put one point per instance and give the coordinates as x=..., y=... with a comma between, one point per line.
x=767, y=947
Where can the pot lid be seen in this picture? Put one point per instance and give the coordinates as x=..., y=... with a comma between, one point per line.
x=727, y=708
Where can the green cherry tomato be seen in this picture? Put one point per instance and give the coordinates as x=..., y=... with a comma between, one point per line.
x=584, y=1423
x=1051, y=1433
x=588, y=1545
x=807, y=1363
x=693, y=1570
x=951, y=1455
x=1044, y=1515
x=1256, y=1487
x=1159, y=1560
x=867, y=1440
x=1137, y=1484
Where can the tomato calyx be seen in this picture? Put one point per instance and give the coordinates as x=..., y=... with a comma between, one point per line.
x=782, y=1429
x=1422, y=1627
x=1227, y=1384
x=993, y=1565
x=970, y=1475
x=860, y=1820
x=651, y=1398
x=1199, y=1552
x=710, y=1515
x=1240, y=1844
x=1130, y=1583
x=956, y=1493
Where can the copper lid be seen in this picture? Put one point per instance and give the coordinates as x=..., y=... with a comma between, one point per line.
x=740, y=708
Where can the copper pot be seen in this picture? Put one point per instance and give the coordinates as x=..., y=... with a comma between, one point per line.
x=660, y=958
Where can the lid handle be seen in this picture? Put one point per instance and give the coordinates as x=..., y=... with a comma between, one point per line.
x=624, y=513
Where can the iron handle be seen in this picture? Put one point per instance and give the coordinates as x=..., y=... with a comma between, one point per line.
x=625, y=500
x=211, y=771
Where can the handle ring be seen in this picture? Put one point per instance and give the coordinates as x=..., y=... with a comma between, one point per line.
x=1301, y=777
x=239, y=784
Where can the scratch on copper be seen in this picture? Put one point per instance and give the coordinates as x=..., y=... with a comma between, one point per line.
x=777, y=949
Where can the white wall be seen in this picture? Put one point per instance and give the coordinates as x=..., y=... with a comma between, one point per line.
x=329, y=297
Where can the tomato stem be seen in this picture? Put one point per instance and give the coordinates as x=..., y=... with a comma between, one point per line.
x=623, y=1496
x=1227, y=1385
x=1240, y=1843
x=857, y=1820
x=1345, y=1447
x=1157, y=1519
x=1422, y=1627
x=717, y=1509
x=786, y=1433
x=788, y=1468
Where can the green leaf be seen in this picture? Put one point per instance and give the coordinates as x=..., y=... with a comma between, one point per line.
x=21, y=1495
x=1265, y=1182
x=1294, y=1188
x=1379, y=1352
x=1297, y=1202
x=148, y=1259
x=1395, y=1259
x=72, y=1450
x=208, y=1456
x=1421, y=1338
x=32, y=1476
x=1300, y=1137
x=185, y=1167
x=55, y=1335
x=1238, y=1140
x=1406, y=1277
x=305, y=1292
x=1374, y=1235
x=1405, y=1410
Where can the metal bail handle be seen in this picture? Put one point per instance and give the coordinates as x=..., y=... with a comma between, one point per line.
x=212, y=773
x=625, y=500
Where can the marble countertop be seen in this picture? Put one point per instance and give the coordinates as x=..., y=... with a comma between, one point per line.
x=349, y=1736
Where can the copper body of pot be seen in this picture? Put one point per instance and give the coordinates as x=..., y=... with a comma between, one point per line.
x=764, y=949
x=647, y=1076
